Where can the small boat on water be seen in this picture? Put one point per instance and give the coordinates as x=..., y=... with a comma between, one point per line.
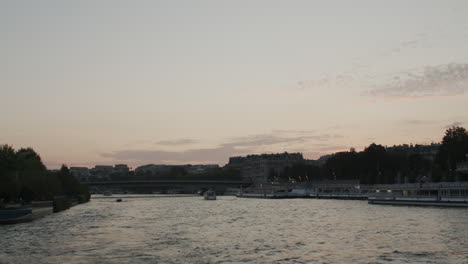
x=118, y=200
x=209, y=195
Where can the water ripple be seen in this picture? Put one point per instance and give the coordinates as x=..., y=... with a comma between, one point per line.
x=230, y=230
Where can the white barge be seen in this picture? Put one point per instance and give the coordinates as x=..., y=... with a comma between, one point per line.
x=428, y=194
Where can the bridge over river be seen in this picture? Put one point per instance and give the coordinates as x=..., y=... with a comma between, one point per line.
x=165, y=186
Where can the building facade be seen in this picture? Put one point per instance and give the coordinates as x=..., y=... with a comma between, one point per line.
x=259, y=168
x=428, y=152
x=190, y=169
x=99, y=172
x=463, y=166
x=80, y=173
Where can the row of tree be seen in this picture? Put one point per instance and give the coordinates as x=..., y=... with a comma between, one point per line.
x=375, y=164
x=23, y=177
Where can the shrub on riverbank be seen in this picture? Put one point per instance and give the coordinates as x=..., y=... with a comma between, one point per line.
x=61, y=203
x=84, y=198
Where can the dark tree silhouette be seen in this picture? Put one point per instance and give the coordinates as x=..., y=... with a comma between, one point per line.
x=24, y=177
x=453, y=150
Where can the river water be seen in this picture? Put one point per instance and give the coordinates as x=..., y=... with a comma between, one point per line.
x=239, y=230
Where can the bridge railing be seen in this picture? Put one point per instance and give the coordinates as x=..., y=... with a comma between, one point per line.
x=167, y=181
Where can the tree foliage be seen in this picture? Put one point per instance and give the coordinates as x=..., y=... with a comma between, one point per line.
x=454, y=148
x=376, y=165
x=23, y=176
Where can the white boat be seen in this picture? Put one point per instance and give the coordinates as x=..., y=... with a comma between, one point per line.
x=429, y=194
x=209, y=195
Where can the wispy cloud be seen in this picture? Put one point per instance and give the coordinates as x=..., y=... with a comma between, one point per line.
x=445, y=80
x=283, y=131
x=202, y=155
x=325, y=83
x=454, y=124
x=262, y=140
x=413, y=43
x=334, y=148
x=278, y=137
x=417, y=122
x=354, y=74
x=283, y=140
x=177, y=142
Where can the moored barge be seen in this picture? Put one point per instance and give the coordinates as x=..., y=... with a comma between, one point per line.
x=453, y=194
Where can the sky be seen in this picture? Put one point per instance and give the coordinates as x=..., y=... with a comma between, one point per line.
x=178, y=82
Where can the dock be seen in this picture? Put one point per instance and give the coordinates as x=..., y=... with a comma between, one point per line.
x=22, y=214
x=307, y=196
x=453, y=194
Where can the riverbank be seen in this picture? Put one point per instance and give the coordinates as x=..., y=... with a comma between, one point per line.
x=26, y=213
x=17, y=213
x=304, y=196
x=419, y=201
x=454, y=194
x=143, y=196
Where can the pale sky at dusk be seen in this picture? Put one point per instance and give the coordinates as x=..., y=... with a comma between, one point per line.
x=176, y=82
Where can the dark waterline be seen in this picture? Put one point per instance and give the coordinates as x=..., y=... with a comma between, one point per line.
x=231, y=230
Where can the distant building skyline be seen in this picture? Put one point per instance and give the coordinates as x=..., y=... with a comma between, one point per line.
x=262, y=168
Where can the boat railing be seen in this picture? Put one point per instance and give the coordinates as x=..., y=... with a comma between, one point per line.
x=414, y=186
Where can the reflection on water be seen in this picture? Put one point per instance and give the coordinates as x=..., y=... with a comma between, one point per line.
x=232, y=230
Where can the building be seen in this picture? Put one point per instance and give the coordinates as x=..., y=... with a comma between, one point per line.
x=428, y=152
x=463, y=166
x=259, y=168
x=190, y=169
x=312, y=162
x=121, y=168
x=101, y=172
x=80, y=173
x=199, y=169
x=153, y=168
x=323, y=159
